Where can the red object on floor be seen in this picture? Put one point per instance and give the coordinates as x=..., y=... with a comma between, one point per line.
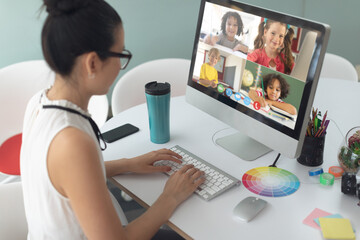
x=10, y=155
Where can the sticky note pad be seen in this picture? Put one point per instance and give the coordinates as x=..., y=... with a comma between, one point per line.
x=330, y=216
x=337, y=228
x=316, y=213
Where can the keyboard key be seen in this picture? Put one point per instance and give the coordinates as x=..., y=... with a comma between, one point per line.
x=216, y=181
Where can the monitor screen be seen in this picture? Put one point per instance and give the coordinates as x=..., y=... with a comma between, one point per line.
x=257, y=70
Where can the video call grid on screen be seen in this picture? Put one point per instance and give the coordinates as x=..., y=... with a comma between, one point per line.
x=237, y=75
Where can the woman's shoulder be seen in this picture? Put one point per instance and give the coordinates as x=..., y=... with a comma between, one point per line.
x=34, y=100
x=72, y=147
x=72, y=155
x=72, y=136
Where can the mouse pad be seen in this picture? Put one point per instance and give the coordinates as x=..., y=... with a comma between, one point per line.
x=270, y=181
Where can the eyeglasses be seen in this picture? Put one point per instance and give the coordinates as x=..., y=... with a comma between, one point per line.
x=125, y=56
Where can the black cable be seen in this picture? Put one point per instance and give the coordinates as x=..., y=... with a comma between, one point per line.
x=277, y=158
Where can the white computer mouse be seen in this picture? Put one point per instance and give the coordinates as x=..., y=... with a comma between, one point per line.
x=248, y=208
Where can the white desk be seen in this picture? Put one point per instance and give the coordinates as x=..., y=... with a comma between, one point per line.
x=282, y=218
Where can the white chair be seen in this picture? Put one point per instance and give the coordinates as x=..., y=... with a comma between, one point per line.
x=303, y=59
x=335, y=66
x=130, y=88
x=99, y=109
x=18, y=83
x=13, y=223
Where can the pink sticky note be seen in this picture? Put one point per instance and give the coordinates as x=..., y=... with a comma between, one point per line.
x=316, y=213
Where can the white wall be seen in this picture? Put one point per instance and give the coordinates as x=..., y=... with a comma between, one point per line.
x=166, y=28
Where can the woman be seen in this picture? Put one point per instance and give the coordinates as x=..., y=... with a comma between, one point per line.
x=63, y=173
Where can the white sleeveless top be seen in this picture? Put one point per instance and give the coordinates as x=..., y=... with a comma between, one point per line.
x=49, y=214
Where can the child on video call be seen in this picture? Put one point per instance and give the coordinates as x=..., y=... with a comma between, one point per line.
x=275, y=89
x=273, y=46
x=208, y=73
x=231, y=25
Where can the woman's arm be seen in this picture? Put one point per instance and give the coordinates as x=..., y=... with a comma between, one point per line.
x=142, y=164
x=76, y=173
x=178, y=188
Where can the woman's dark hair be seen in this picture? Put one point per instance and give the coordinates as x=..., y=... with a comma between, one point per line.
x=239, y=22
x=268, y=79
x=75, y=27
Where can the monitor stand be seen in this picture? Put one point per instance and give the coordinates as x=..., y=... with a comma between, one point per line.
x=243, y=146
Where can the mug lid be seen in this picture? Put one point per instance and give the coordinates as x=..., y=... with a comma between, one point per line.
x=155, y=88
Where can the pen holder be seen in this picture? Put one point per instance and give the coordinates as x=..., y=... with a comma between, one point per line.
x=312, y=151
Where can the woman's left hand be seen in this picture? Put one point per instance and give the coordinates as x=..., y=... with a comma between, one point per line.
x=145, y=163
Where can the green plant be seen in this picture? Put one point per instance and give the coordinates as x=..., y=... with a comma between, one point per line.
x=349, y=155
x=354, y=142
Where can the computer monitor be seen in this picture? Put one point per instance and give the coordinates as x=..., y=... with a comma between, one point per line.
x=264, y=78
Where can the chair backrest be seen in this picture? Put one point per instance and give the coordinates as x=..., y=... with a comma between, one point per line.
x=335, y=66
x=302, y=62
x=130, y=88
x=99, y=109
x=19, y=82
x=13, y=223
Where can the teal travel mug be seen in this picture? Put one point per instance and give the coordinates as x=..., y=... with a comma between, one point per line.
x=158, y=104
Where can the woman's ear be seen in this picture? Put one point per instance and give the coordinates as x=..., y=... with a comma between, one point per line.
x=92, y=64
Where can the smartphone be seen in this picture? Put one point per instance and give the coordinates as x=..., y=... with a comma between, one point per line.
x=119, y=132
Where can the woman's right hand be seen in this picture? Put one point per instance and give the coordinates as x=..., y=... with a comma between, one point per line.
x=183, y=183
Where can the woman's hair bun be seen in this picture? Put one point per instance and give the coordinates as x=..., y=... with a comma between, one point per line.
x=63, y=7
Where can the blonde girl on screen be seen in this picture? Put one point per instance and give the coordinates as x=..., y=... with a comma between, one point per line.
x=273, y=46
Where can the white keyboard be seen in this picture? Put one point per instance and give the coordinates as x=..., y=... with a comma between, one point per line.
x=217, y=181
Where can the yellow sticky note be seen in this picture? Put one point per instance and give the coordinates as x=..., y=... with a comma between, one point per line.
x=336, y=228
